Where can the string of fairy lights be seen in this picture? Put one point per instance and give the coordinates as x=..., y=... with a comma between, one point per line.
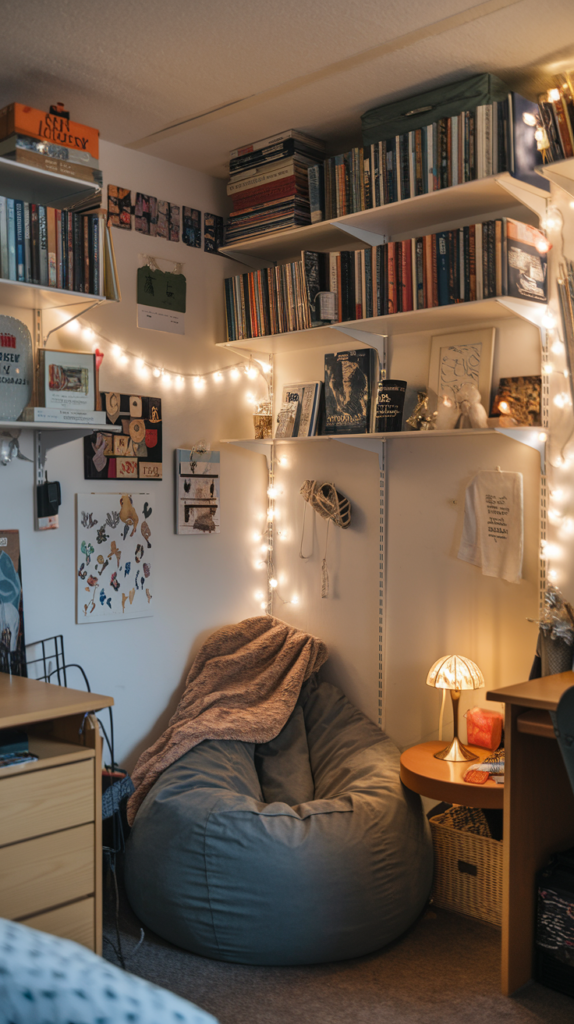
x=251, y=369
x=146, y=369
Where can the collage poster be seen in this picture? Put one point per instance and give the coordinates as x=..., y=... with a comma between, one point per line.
x=114, y=556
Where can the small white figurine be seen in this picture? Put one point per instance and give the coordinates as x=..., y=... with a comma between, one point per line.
x=470, y=407
x=464, y=410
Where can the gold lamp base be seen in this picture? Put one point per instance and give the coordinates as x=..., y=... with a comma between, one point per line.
x=456, y=752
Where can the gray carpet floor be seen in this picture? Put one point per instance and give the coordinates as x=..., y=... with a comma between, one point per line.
x=445, y=970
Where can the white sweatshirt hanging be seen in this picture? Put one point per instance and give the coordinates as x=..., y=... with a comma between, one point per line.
x=493, y=533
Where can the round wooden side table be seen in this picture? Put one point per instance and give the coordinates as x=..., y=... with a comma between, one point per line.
x=444, y=780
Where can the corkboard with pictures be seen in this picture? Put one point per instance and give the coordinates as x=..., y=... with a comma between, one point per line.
x=136, y=452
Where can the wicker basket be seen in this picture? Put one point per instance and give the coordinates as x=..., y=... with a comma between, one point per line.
x=467, y=872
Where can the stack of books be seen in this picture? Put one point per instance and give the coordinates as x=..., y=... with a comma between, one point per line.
x=475, y=144
x=57, y=248
x=268, y=184
x=50, y=142
x=480, y=261
x=557, y=119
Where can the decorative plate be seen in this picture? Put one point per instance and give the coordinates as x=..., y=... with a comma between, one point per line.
x=16, y=367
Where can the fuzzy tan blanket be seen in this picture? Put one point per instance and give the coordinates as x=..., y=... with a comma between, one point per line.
x=243, y=685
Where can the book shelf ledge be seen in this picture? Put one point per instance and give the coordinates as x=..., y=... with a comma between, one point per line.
x=36, y=296
x=532, y=437
x=500, y=194
x=561, y=173
x=437, y=318
x=35, y=185
x=52, y=435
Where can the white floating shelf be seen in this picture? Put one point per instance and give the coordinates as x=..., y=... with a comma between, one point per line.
x=520, y=433
x=561, y=173
x=487, y=197
x=437, y=318
x=90, y=428
x=33, y=296
x=532, y=437
x=34, y=185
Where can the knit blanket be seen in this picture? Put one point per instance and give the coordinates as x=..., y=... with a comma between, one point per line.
x=243, y=685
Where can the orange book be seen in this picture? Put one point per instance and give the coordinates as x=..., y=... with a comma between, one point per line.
x=17, y=119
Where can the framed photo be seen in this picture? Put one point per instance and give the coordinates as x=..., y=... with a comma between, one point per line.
x=67, y=380
x=518, y=401
x=458, y=359
x=307, y=394
x=196, y=492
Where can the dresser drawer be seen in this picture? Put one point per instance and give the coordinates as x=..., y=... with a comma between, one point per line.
x=42, y=873
x=75, y=921
x=35, y=803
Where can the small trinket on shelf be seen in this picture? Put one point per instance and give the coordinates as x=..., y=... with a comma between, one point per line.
x=420, y=413
x=262, y=421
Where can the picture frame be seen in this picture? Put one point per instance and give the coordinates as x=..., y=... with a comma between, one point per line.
x=461, y=358
x=308, y=394
x=67, y=380
x=197, y=500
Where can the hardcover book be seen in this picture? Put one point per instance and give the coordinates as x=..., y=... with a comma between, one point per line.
x=307, y=394
x=526, y=267
x=350, y=383
x=287, y=419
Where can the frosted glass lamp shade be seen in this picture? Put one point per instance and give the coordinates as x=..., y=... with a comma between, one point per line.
x=453, y=672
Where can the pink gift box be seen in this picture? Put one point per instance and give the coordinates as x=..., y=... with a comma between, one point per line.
x=484, y=728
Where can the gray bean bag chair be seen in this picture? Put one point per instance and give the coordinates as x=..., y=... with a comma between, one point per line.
x=302, y=850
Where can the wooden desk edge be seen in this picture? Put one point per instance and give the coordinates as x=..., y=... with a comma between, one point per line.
x=543, y=693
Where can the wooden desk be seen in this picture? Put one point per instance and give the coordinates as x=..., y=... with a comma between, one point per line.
x=538, y=813
x=51, y=811
x=422, y=772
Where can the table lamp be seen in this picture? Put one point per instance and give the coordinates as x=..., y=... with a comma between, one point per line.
x=455, y=673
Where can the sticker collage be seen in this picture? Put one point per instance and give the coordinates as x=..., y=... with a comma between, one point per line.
x=114, y=556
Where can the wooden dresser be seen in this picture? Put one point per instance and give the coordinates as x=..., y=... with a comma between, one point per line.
x=50, y=812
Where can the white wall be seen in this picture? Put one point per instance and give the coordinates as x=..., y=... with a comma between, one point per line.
x=200, y=582
x=435, y=604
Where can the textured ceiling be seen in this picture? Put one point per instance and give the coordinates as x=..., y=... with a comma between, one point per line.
x=132, y=67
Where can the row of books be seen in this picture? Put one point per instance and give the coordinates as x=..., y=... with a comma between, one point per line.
x=556, y=125
x=57, y=248
x=269, y=184
x=264, y=302
x=343, y=403
x=50, y=142
x=475, y=144
x=480, y=261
